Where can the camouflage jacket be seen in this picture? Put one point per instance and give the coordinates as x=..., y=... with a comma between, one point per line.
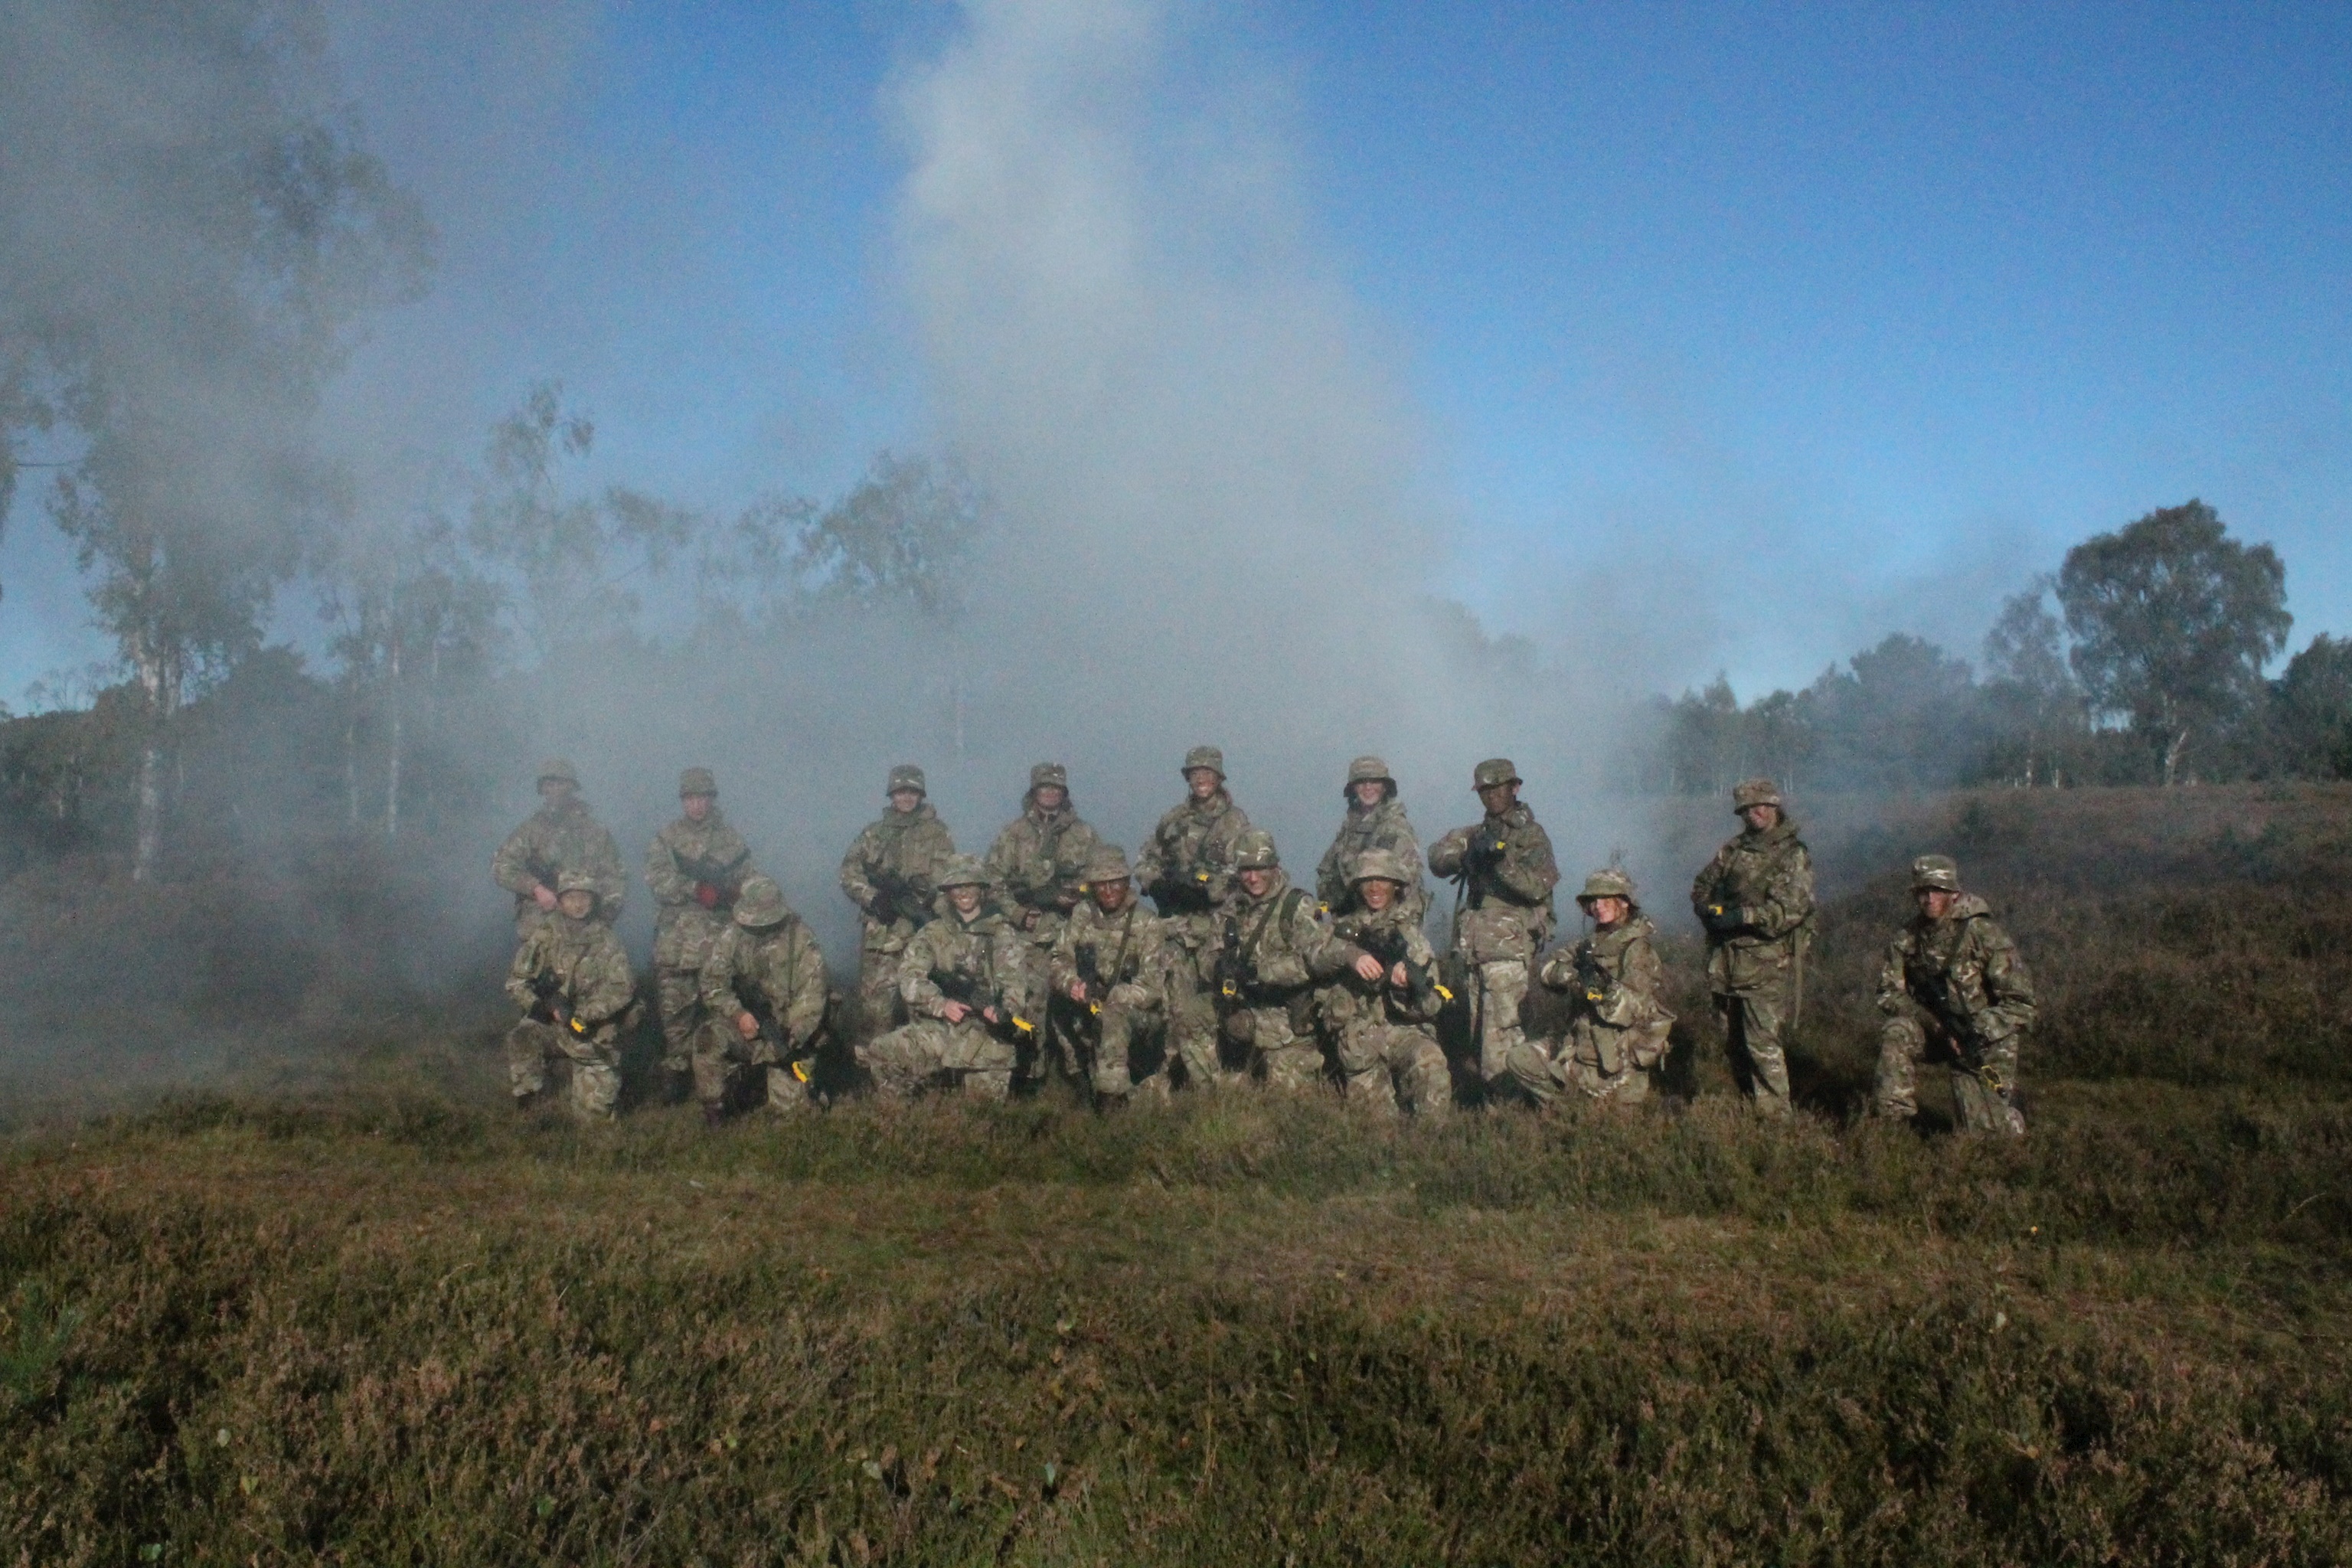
x=1765, y=881
x=1351, y=999
x=1523, y=874
x=776, y=973
x=586, y=962
x=1385, y=826
x=1613, y=980
x=890, y=871
x=1038, y=863
x=1188, y=866
x=549, y=844
x=987, y=957
x=1122, y=949
x=683, y=859
x=1964, y=969
x=1284, y=945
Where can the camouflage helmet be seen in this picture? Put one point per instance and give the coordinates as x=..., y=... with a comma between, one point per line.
x=1108, y=864
x=1495, y=771
x=1383, y=865
x=1607, y=883
x=575, y=882
x=1368, y=770
x=1935, y=873
x=906, y=775
x=1049, y=775
x=1754, y=791
x=696, y=781
x=961, y=871
x=760, y=903
x=1210, y=757
x=561, y=770
x=1254, y=851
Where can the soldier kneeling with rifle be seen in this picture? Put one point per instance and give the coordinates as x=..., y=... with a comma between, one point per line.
x=1111, y=963
x=1383, y=1010
x=968, y=989
x=572, y=979
x=763, y=993
x=1617, y=1027
x=1953, y=979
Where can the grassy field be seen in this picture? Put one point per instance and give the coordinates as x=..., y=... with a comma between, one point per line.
x=392, y=1324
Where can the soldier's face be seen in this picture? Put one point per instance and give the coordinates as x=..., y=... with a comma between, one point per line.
x=1050, y=796
x=1367, y=792
x=1760, y=818
x=698, y=806
x=1111, y=896
x=555, y=791
x=1497, y=798
x=966, y=899
x=1204, y=782
x=1606, y=912
x=577, y=903
x=1377, y=892
x=905, y=800
x=1257, y=879
x=1936, y=903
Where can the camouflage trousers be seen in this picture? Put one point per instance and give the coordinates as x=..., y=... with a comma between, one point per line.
x=677, y=993
x=1129, y=1019
x=1754, y=1031
x=1192, y=1025
x=1377, y=1058
x=721, y=1055
x=1499, y=988
x=913, y=1055
x=1544, y=1076
x=1290, y=1061
x=1983, y=1089
x=879, y=1005
x=595, y=1057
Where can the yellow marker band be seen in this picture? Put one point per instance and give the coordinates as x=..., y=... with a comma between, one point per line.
x=1443, y=991
x=800, y=1071
x=578, y=1028
x=1024, y=1026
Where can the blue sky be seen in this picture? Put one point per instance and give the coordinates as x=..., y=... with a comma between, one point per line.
x=1776, y=329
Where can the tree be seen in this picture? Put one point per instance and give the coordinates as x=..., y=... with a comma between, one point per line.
x=2311, y=710
x=2034, y=704
x=898, y=540
x=2173, y=621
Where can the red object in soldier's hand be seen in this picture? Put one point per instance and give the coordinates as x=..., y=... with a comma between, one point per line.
x=707, y=895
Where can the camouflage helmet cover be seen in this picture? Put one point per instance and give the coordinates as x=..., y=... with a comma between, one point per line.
x=1935, y=873
x=575, y=882
x=1754, y=791
x=1495, y=771
x=1108, y=864
x=906, y=775
x=1381, y=864
x=1607, y=883
x=696, y=781
x=1254, y=851
x=561, y=770
x=761, y=903
x=962, y=871
x=1368, y=770
x=1210, y=757
x=1049, y=775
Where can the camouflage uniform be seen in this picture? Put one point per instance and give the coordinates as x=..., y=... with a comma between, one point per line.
x=891, y=875
x=1384, y=1035
x=1126, y=954
x=765, y=963
x=1508, y=874
x=590, y=991
x=1959, y=981
x=983, y=955
x=1385, y=828
x=1756, y=901
x=695, y=869
x=1280, y=945
x=1037, y=866
x=1617, y=1026
x=552, y=841
x=1187, y=867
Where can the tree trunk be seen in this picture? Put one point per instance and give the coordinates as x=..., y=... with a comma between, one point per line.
x=2172, y=756
x=159, y=680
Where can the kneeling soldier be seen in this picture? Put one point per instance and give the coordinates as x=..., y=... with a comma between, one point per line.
x=1955, y=978
x=1273, y=946
x=696, y=867
x=966, y=983
x=764, y=992
x=1383, y=1013
x=572, y=979
x=1111, y=965
x=1617, y=1027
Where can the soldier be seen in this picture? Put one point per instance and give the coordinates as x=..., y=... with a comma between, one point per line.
x=561, y=836
x=1756, y=901
x=891, y=875
x=1617, y=1027
x=1382, y=1012
x=969, y=990
x=1273, y=945
x=1038, y=865
x=1111, y=966
x=1506, y=873
x=695, y=867
x=763, y=988
x=1375, y=820
x=572, y=979
x=1187, y=867
x=1955, y=977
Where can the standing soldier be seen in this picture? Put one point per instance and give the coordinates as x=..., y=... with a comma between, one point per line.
x=970, y=997
x=891, y=874
x=694, y=868
x=1383, y=1013
x=561, y=836
x=763, y=991
x=1954, y=976
x=1617, y=1027
x=1110, y=968
x=1506, y=871
x=1756, y=901
x=1375, y=820
x=1187, y=867
x=1038, y=865
x=572, y=979
x=1273, y=946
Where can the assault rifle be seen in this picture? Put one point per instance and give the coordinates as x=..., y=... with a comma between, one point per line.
x=1096, y=982
x=546, y=1007
x=900, y=898
x=1388, y=944
x=957, y=986
x=802, y=1062
x=1232, y=970
x=722, y=880
x=1591, y=978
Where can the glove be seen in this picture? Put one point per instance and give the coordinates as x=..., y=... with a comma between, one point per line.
x=707, y=895
x=1485, y=852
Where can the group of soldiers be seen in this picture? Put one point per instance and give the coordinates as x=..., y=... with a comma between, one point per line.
x=1042, y=958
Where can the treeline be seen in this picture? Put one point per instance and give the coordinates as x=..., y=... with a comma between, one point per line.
x=2141, y=660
